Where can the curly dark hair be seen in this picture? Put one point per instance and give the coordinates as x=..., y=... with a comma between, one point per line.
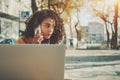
x=36, y=19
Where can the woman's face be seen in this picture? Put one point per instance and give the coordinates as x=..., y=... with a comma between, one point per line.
x=47, y=27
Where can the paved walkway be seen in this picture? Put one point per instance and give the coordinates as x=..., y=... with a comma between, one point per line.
x=92, y=64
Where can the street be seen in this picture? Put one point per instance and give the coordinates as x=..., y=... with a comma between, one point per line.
x=92, y=65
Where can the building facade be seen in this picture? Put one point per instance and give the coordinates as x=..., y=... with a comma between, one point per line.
x=95, y=32
x=10, y=22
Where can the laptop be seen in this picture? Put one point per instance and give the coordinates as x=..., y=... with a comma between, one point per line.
x=32, y=62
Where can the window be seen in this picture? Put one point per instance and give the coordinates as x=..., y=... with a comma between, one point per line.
x=6, y=28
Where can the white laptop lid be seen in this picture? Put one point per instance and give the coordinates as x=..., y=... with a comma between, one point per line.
x=32, y=62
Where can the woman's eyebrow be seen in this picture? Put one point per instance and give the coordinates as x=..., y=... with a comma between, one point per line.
x=46, y=23
x=49, y=24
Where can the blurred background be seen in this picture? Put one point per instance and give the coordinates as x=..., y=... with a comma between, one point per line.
x=92, y=33
x=89, y=24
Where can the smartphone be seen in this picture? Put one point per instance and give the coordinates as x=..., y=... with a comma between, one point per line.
x=38, y=30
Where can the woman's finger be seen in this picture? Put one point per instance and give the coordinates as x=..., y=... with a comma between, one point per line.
x=38, y=38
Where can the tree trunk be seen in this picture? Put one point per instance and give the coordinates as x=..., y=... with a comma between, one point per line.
x=112, y=38
x=48, y=4
x=108, y=39
x=77, y=31
x=34, y=6
x=115, y=25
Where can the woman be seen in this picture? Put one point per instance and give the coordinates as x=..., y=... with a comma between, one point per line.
x=44, y=26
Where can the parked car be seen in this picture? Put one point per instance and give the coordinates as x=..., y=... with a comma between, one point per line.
x=8, y=41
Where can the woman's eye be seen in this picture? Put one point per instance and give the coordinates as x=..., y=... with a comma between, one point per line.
x=47, y=26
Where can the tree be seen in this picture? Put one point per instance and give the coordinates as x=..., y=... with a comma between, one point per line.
x=65, y=8
x=34, y=6
x=104, y=17
x=115, y=25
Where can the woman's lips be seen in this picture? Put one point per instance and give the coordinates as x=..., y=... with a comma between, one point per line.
x=48, y=34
